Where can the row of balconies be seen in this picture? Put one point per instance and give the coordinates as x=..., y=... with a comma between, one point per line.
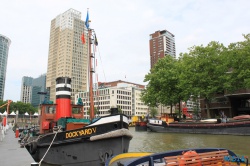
x=220, y=105
x=226, y=93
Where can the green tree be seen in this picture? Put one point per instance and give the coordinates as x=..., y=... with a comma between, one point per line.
x=237, y=61
x=163, y=84
x=203, y=72
x=153, y=112
x=20, y=106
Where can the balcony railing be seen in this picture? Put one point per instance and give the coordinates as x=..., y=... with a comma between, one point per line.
x=240, y=91
x=220, y=105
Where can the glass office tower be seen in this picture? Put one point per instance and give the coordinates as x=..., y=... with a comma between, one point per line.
x=4, y=50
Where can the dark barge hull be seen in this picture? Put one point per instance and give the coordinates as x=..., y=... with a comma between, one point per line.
x=222, y=128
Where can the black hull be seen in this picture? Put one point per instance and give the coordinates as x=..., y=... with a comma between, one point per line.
x=89, y=153
x=89, y=146
x=221, y=130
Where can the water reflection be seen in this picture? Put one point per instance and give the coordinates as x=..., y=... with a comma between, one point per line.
x=159, y=142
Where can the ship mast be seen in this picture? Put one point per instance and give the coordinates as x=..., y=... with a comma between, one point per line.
x=91, y=71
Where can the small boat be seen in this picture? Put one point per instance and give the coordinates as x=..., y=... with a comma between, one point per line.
x=238, y=126
x=191, y=157
x=67, y=139
x=139, y=122
x=141, y=126
x=241, y=117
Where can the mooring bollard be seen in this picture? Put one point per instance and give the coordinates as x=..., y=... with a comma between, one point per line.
x=34, y=164
x=17, y=132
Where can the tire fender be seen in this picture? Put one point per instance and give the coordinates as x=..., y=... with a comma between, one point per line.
x=33, y=147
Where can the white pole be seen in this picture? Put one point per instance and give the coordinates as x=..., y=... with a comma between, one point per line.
x=1, y=134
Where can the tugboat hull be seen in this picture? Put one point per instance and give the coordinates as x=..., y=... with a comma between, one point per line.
x=83, y=152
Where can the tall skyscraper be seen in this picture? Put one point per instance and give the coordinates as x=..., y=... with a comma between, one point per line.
x=4, y=50
x=67, y=55
x=161, y=43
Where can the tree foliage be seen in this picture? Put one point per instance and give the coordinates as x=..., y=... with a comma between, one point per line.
x=153, y=111
x=18, y=106
x=163, y=83
x=201, y=73
x=238, y=62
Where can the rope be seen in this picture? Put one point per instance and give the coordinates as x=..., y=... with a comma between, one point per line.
x=96, y=49
x=49, y=146
x=101, y=63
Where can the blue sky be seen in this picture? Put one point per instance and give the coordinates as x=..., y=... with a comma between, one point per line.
x=122, y=28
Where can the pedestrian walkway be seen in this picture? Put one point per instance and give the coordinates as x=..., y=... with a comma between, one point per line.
x=10, y=152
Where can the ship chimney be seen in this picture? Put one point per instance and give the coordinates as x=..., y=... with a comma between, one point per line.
x=63, y=93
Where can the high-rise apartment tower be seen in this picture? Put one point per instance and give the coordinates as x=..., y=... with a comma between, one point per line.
x=161, y=43
x=67, y=55
x=4, y=50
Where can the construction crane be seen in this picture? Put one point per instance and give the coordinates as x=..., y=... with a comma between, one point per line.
x=8, y=104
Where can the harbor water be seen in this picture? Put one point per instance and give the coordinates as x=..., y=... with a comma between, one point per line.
x=146, y=141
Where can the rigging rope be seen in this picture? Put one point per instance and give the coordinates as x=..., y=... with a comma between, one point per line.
x=101, y=64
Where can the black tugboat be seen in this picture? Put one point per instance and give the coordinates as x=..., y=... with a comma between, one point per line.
x=67, y=139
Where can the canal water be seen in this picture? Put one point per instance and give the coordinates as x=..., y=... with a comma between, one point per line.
x=146, y=141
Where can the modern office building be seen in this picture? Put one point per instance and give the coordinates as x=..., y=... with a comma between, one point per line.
x=121, y=94
x=161, y=43
x=26, y=89
x=67, y=55
x=33, y=90
x=39, y=93
x=4, y=50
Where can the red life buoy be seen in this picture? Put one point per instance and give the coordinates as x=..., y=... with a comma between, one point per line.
x=190, y=156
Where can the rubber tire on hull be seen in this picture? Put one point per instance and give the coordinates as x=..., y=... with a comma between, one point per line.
x=33, y=148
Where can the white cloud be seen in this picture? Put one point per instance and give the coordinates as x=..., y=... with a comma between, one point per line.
x=122, y=28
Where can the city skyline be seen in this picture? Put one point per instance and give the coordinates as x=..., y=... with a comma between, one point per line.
x=122, y=29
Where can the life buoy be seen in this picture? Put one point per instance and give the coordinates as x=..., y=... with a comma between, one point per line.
x=190, y=156
x=33, y=147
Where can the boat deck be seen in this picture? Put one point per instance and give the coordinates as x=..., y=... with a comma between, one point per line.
x=11, y=153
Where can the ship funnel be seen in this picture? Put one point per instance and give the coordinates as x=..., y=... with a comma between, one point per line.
x=63, y=99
